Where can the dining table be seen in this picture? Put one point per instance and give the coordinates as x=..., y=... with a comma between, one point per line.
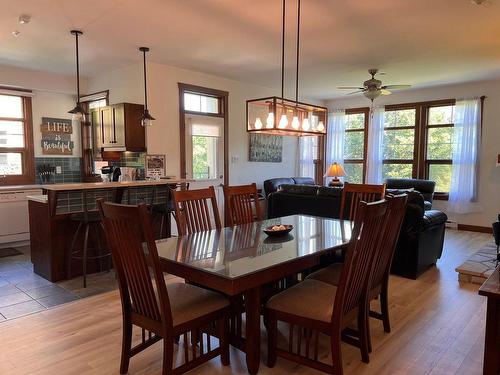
x=241, y=260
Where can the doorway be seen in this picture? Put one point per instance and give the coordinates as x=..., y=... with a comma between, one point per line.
x=203, y=121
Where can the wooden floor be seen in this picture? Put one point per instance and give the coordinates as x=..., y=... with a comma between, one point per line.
x=438, y=328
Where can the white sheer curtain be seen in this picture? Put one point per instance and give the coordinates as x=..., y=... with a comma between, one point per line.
x=466, y=144
x=375, y=146
x=306, y=156
x=335, y=137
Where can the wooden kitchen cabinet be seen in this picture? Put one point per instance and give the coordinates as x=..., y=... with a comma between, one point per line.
x=118, y=127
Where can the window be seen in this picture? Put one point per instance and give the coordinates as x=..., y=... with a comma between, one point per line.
x=201, y=103
x=355, y=144
x=418, y=139
x=439, y=129
x=399, y=143
x=16, y=140
x=203, y=132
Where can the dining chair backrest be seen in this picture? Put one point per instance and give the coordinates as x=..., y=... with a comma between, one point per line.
x=365, y=241
x=193, y=213
x=130, y=238
x=242, y=203
x=353, y=194
x=394, y=218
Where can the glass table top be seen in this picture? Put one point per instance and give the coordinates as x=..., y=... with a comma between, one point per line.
x=236, y=251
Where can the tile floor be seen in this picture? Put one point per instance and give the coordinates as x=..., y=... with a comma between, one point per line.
x=23, y=292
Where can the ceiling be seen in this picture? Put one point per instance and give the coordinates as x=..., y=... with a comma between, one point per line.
x=420, y=42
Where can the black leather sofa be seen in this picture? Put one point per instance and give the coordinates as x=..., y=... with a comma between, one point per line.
x=421, y=239
x=424, y=187
x=272, y=185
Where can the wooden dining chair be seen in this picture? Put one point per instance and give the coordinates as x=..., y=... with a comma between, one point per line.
x=242, y=203
x=379, y=282
x=193, y=213
x=353, y=194
x=314, y=307
x=162, y=311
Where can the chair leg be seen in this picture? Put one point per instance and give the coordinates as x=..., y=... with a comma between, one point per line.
x=71, y=249
x=126, y=346
x=223, y=332
x=368, y=333
x=168, y=356
x=272, y=338
x=363, y=337
x=336, y=356
x=169, y=225
x=384, y=309
x=84, y=256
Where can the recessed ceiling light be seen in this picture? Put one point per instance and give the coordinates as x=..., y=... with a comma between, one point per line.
x=16, y=33
x=24, y=19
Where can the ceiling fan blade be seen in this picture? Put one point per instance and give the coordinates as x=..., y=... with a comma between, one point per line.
x=355, y=92
x=396, y=87
x=385, y=92
x=350, y=88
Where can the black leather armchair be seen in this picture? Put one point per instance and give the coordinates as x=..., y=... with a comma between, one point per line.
x=424, y=187
x=421, y=239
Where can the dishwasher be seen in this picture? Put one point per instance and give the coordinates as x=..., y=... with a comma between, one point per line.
x=14, y=217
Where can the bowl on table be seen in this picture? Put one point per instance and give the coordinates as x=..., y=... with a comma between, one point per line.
x=278, y=230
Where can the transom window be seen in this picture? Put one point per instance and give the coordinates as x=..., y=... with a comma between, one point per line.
x=201, y=103
x=16, y=140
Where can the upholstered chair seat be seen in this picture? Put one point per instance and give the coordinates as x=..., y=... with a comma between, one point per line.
x=329, y=275
x=189, y=302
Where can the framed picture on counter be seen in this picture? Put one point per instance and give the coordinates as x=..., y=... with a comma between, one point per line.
x=156, y=166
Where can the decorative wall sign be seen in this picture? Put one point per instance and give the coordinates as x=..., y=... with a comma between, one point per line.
x=156, y=166
x=56, y=136
x=265, y=148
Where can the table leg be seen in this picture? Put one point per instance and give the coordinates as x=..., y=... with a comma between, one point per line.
x=252, y=331
x=492, y=339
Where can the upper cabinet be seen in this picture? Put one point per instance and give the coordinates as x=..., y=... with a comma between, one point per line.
x=118, y=127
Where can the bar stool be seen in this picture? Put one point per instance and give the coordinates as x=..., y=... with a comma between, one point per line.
x=87, y=220
x=167, y=210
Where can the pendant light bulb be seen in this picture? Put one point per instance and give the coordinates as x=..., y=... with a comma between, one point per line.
x=295, y=123
x=306, y=124
x=258, y=123
x=270, y=120
x=283, y=122
x=321, y=126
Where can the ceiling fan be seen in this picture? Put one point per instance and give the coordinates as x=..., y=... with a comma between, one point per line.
x=373, y=88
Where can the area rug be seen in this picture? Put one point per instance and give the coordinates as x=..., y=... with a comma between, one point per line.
x=8, y=252
x=479, y=266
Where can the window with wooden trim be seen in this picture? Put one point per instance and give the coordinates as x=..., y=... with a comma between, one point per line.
x=417, y=142
x=400, y=135
x=16, y=140
x=355, y=144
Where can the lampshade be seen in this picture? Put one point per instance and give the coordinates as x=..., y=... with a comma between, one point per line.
x=335, y=170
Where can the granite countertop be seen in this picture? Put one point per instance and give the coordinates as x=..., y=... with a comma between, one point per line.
x=111, y=185
x=19, y=187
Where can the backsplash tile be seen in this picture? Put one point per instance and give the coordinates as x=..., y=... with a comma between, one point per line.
x=70, y=169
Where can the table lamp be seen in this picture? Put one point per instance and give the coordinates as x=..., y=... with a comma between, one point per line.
x=335, y=170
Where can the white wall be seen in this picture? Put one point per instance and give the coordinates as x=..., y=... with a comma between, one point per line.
x=489, y=175
x=53, y=96
x=126, y=85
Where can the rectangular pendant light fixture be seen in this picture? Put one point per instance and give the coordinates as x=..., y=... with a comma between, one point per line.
x=280, y=116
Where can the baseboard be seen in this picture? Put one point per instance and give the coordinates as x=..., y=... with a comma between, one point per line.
x=475, y=228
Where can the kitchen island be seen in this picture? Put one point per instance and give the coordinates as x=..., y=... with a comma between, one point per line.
x=51, y=226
